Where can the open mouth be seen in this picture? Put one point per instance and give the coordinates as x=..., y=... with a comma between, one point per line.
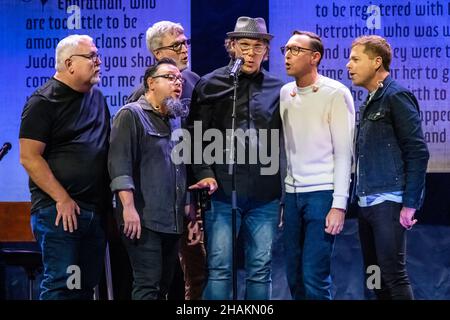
x=249, y=63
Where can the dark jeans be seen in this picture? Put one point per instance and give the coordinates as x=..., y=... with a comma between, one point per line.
x=308, y=247
x=152, y=259
x=85, y=248
x=383, y=243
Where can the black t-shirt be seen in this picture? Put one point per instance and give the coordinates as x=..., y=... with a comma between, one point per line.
x=75, y=128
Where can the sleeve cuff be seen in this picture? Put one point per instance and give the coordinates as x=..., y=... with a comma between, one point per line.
x=122, y=183
x=205, y=173
x=339, y=202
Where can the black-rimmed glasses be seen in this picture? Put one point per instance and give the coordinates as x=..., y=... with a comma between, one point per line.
x=295, y=50
x=171, y=77
x=177, y=46
x=94, y=57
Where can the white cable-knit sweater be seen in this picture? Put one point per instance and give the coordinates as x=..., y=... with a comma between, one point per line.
x=318, y=124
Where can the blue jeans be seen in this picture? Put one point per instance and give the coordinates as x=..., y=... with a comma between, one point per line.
x=259, y=224
x=85, y=248
x=307, y=246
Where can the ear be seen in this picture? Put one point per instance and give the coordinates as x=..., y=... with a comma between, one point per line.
x=378, y=62
x=150, y=82
x=315, y=57
x=233, y=45
x=69, y=65
x=157, y=54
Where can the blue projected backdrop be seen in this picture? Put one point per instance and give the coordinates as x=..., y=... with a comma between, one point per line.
x=29, y=34
x=419, y=33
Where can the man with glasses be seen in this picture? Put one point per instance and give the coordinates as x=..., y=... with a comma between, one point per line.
x=166, y=39
x=258, y=195
x=150, y=189
x=65, y=128
x=318, y=122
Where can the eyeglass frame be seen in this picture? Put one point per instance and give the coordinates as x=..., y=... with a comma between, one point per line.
x=284, y=50
x=94, y=56
x=186, y=42
x=170, y=77
x=245, y=51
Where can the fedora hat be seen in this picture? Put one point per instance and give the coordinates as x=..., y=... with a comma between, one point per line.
x=253, y=28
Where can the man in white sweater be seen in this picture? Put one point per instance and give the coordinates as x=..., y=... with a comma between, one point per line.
x=318, y=122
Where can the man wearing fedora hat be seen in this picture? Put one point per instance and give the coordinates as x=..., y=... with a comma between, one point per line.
x=258, y=195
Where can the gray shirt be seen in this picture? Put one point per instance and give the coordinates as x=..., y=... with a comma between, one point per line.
x=139, y=159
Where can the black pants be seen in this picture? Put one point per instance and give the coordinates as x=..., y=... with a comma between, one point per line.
x=383, y=243
x=152, y=259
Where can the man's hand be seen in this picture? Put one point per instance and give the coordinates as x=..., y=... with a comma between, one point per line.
x=407, y=217
x=189, y=212
x=195, y=233
x=67, y=210
x=131, y=222
x=334, y=222
x=209, y=183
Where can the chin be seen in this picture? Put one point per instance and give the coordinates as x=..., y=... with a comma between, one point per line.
x=95, y=80
x=290, y=73
x=249, y=70
x=181, y=65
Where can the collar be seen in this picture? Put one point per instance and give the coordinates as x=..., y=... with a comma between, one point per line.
x=144, y=104
x=380, y=91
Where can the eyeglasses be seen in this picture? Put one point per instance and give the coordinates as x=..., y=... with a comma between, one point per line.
x=177, y=46
x=294, y=50
x=245, y=48
x=94, y=57
x=171, y=77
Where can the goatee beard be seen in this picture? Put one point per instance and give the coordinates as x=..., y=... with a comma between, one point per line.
x=175, y=108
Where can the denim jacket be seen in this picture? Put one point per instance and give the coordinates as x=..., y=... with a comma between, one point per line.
x=390, y=148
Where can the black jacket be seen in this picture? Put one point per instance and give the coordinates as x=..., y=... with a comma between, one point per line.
x=257, y=108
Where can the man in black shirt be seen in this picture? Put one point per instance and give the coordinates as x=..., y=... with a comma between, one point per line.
x=150, y=186
x=258, y=185
x=63, y=147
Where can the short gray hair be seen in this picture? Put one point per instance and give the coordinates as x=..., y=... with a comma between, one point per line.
x=65, y=48
x=156, y=33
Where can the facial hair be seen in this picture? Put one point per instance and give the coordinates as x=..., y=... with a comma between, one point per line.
x=175, y=108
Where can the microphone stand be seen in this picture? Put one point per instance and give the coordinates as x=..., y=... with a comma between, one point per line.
x=232, y=172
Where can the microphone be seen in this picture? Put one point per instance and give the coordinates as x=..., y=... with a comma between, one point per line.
x=236, y=67
x=4, y=150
